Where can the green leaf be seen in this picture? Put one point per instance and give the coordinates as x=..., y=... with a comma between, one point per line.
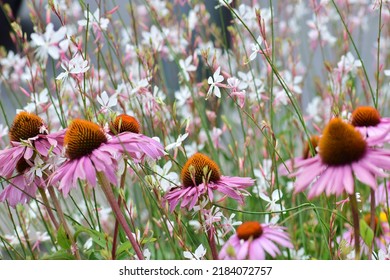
x=60, y=255
x=366, y=233
x=63, y=239
x=98, y=238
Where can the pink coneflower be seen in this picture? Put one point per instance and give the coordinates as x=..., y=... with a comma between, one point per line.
x=253, y=240
x=29, y=139
x=28, y=134
x=90, y=150
x=201, y=176
x=343, y=155
x=128, y=139
x=369, y=123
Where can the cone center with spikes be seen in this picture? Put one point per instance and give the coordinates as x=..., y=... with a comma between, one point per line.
x=248, y=230
x=125, y=123
x=365, y=116
x=25, y=126
x=341, y=144
x=82, y=137
x=198, y=168
x=314, y=142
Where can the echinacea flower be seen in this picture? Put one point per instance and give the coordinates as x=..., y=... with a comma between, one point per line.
x=343, y=154
x=128, y=139
x=201, y=176
x=89, y=150
x=29, y=138
x=253, y=240
x=369, y=123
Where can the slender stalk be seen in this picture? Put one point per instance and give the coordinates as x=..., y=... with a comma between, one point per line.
x=106, y=187
x=372, y=222
x=61, y=216
x=356, y=225
x=378, y=52
x=48, y=208
x=213, y=246
x=116, y=228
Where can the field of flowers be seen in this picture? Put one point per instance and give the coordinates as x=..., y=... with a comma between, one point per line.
x=193, y=129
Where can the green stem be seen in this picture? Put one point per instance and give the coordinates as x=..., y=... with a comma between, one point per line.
x=356, y=225
x=61, y=216
x=48, y=208
x=106, y=187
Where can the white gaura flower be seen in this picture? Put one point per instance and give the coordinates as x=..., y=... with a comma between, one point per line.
x=147, y=254
x=213, y=82
x=48, y=44
x=77, y=65
x=197, y=255
x=107, y=102
x=178, y=142
x=164, y=178
x=348, y=64
x=272, y=205
x=186, y=66
x=94, y=20
x=3, y=130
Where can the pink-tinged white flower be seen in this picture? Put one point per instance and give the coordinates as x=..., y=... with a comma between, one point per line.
x=257, y=49
x=254, y=85
x=164, y=177
x=77, y=65
x=348, y=64
x=39, y=102
x=154, y=38
x=384, y=254
x=293, y=83
x=254, y=240
x=48, y=44
x=178, y=142
x=13, y=66
x=160, y=7
x=95, y=20
x=237, y=89
x=3, y=132
x=214, y=83
x=199, y=253
x=141, y=86
x=186, y=67
x=228, y=224
x=107, y=102
x=89, y=150
x=343, y=155
x=201, y=176
x=370, y=124
x=272, y=204
x=319, y=32
x=223, y=3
